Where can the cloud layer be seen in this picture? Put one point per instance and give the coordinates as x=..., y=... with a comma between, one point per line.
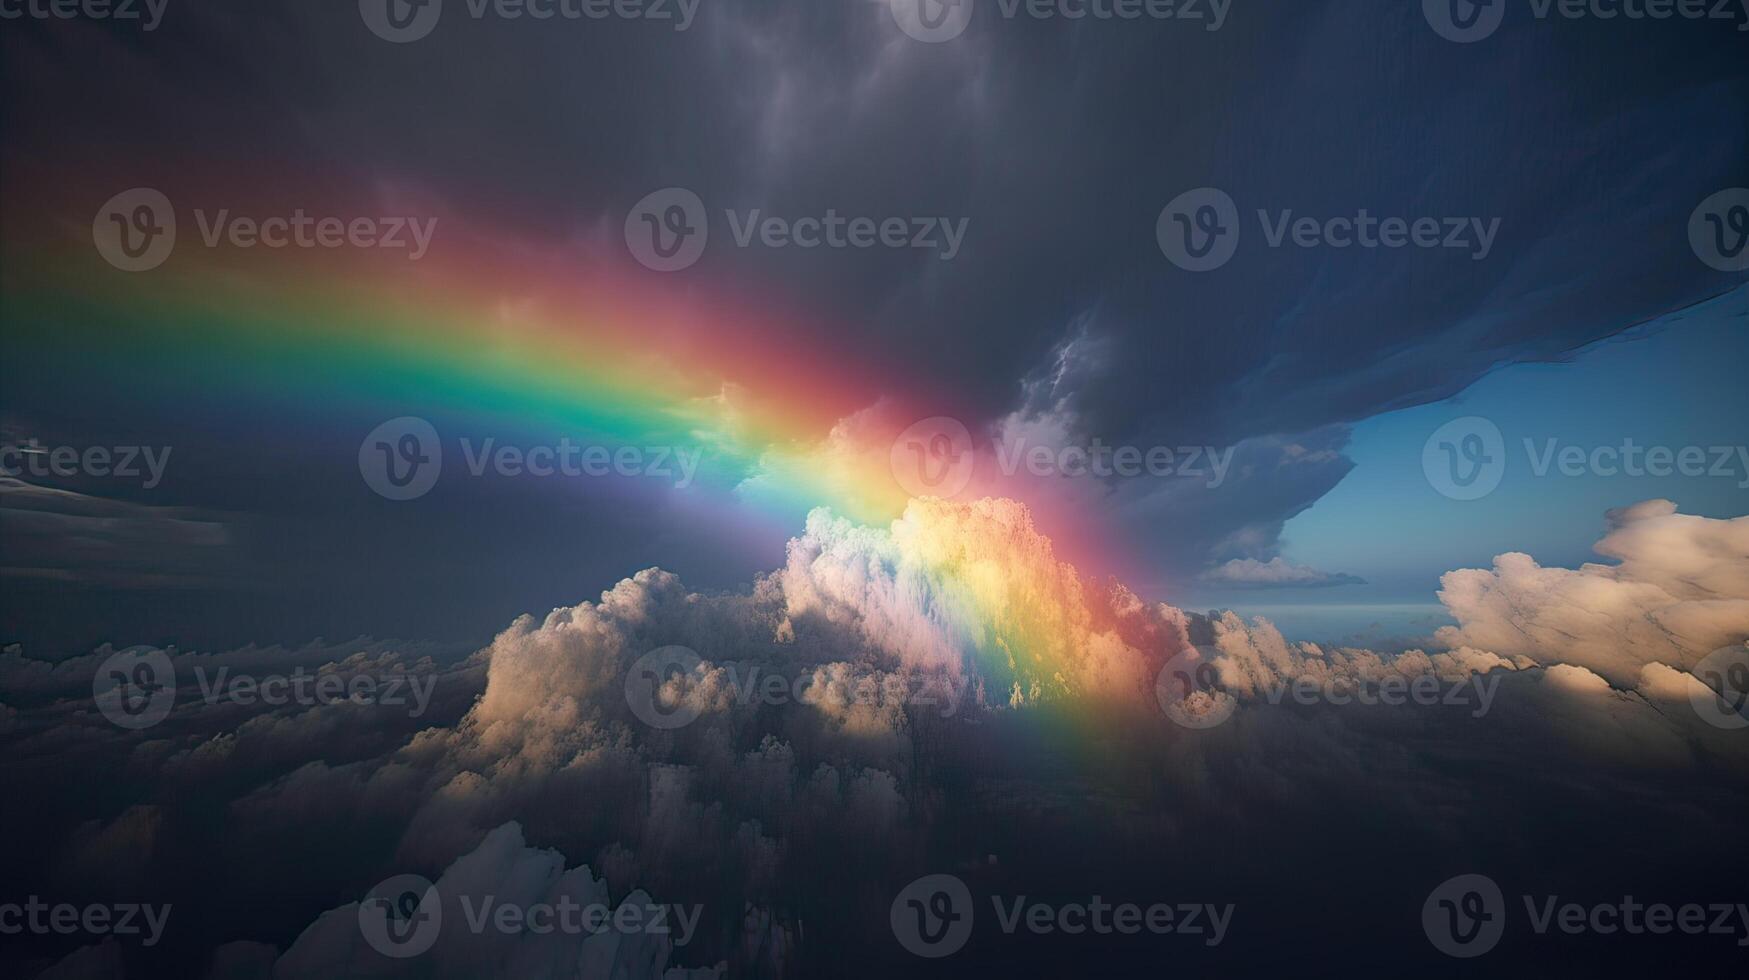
x=902, y=656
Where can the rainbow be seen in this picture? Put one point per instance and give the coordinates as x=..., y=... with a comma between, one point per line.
x=556, y=337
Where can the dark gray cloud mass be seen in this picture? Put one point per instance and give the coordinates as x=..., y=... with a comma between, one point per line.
x=1580, y=146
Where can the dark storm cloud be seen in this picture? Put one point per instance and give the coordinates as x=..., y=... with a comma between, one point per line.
x=1060, y=143
x=1575, y=150
x=64, y=537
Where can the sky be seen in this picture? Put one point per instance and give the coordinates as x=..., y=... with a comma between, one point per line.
x=1676, y=382
x=835, y=471
x=1673, y=384
x=1057, y=316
